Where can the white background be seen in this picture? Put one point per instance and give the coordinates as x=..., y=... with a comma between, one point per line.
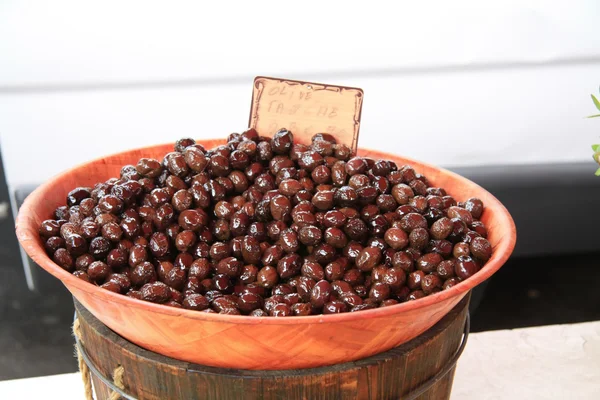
x=451, y=83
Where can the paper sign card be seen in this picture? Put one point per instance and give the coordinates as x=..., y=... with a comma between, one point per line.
x=306, y=108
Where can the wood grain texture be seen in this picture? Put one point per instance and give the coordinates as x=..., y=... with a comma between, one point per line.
x=389, y=375
x=259, y=343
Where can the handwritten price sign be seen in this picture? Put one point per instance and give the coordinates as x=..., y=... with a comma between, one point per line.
x=306, y=108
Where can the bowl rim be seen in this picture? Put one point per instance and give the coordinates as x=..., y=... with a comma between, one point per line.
x=29, y=238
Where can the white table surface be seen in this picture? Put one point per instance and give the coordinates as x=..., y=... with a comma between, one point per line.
x=549, y=362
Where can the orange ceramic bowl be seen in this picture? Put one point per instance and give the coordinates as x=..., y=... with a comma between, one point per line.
x=244, y=342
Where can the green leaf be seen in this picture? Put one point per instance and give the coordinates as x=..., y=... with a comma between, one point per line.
x=597, y=172
x=596, y=102
x=594, y=116
x=596, y=147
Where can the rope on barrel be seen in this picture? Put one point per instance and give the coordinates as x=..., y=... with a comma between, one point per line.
x=83, y=368
x=87, y=368
x=118, y=380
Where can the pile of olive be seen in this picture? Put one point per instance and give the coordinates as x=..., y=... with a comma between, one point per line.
x=268, y=227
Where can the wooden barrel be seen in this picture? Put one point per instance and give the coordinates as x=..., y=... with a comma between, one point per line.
x=402, y=372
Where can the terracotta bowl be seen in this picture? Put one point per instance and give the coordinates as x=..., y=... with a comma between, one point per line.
x=244, y=342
